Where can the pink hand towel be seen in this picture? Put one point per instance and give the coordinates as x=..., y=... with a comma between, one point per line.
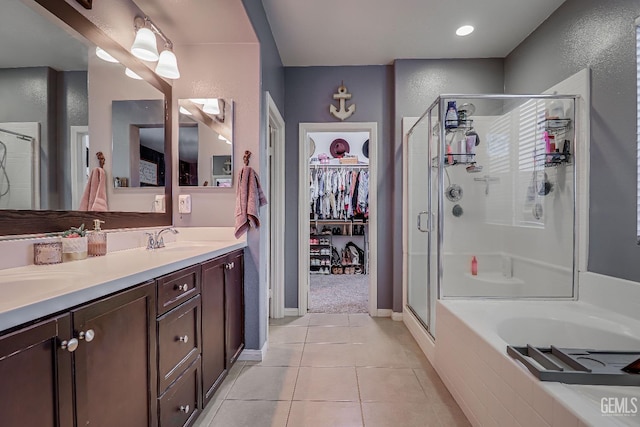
x=95, y=193
x=249, y=199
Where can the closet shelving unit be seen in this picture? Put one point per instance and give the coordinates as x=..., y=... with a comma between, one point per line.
x=346, y=227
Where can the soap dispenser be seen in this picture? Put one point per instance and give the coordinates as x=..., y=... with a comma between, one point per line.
x=97, y=240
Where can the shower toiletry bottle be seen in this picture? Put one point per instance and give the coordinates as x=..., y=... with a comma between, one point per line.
x=470, y=140
x=449, y=154
x=451, y=118
x=474, y=266
x=97, y=240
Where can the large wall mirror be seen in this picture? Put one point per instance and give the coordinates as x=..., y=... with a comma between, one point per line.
x=57, y=100
x=205, y=142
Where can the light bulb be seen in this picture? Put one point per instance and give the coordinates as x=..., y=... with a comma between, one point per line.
x=144, y=46
x=465, y=30
x=211, y=106
x=131, y=74
x=168, y=65
x=104, y=55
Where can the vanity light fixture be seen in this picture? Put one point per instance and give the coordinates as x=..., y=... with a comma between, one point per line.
x=104, y=55
x=131, y=74
x=211, y=106
x=168, y=64
x=222, y=138
x=185, y=111
x=465, y=30
x=145, y=47
x=200, y=101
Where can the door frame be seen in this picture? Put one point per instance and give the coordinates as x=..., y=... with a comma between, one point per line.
x=303, y=207
x=275, y=266
x=75, y=139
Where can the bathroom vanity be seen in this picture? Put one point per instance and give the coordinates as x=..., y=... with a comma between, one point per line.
x=133, y=338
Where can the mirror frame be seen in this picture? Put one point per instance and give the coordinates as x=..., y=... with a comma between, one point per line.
x=15, y=222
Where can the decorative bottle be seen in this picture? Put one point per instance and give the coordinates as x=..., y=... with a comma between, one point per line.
x=474, y=266
x=451, y=118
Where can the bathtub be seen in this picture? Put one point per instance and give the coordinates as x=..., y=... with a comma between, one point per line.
x=493, y=389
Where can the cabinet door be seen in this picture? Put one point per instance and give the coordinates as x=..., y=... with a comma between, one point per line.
x=213, y=326
x=36, y=376
x=234, y=296
x=115, y=363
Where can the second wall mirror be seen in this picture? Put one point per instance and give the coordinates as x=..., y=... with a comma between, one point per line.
x=205, y=142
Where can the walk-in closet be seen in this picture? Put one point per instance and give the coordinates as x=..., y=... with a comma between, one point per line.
x=339, y=222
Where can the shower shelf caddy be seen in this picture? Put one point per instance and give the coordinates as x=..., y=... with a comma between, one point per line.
x=555, y=127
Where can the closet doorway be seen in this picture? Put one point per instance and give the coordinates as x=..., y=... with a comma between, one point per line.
x=337, y=218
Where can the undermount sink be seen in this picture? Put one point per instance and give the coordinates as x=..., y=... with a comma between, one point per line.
x=183, y=246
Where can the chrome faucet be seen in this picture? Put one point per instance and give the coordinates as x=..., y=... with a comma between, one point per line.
x=155, y=240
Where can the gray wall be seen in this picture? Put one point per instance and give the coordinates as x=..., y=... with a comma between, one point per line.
x=271, y=80
x=309, y=91
x=599, y=35
x=73, y=110
x=28, y=95
x=418, y=82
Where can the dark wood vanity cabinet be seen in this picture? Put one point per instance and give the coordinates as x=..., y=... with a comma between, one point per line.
x=115, y=359
x=213, y=327
x=101, y=352
x=36, y=384
x=234, y=305
x=222, y=318
x=146, y=356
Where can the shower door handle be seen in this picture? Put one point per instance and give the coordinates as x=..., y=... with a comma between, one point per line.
x=424, y=230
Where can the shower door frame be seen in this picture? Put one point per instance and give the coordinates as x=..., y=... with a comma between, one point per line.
x=440, y=103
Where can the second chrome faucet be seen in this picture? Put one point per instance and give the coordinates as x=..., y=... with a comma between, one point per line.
x=155, y=240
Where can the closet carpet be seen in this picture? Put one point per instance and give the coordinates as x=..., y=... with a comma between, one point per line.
x=339, y=293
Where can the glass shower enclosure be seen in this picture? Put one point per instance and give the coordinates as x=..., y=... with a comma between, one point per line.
x=490, y=200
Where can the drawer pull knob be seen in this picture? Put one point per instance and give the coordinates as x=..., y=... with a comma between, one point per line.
x=184, y=408
x=88, y=336
x=184, y=339
x=70, y=345
x=182, y=288
x=230, y=265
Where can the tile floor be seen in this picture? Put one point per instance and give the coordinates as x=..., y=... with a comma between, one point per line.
x=335, y=370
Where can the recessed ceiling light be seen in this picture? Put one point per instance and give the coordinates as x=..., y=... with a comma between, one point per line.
x=465, y=30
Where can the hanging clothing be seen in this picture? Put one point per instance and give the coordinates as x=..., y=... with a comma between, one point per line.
x=338, y=192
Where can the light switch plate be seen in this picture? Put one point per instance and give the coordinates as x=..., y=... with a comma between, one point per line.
x=158, y=203
x=184, y=203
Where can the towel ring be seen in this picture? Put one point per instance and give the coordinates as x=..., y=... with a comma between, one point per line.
x=247, y=155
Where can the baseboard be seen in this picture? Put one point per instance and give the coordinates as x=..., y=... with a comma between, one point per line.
x=396, y=316
x=291, y=312
x=384, y=312
x=254, y=355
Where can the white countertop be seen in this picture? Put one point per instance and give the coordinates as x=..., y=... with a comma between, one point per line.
x=36, y=291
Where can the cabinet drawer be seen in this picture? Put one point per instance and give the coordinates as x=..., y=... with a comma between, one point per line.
x=179, y=405
x=178, y=341
x=175, y=288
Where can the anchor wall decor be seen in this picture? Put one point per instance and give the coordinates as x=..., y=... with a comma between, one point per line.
x=344, y=112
